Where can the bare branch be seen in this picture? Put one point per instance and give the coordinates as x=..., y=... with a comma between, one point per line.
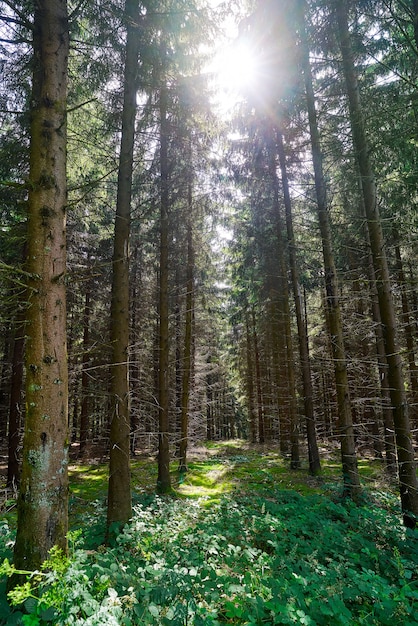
x=23, y=20
x=78, y=106
x=75, y=12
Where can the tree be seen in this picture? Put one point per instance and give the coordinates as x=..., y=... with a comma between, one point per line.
x=408, y=483
x=43, y=495
x=345, y=425
x=188, y=334
x=15, y=403
x=119, y=492
x=163, y=480
x=313, y=454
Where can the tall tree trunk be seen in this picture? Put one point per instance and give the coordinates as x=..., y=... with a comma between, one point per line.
x=409, y=337
x=408, y=482
x=387, y=413
x=260, y=407
x=284, y=296
x=345, y=423
x=313, y=453
x=274, y=345
x=84, y=412
x=188, y=343
x=119, y=506
x=210, y=427
x=163, y=479
x=135, y=367
x=43, y=498
x=176, y=426
x=249, y=377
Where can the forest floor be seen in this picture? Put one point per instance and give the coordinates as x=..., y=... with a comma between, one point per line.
x=242, y=539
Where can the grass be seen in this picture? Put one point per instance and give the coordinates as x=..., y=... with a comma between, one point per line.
x=215, y=470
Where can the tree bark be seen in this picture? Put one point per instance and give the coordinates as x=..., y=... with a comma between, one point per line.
x=409, y=337
x=15, y=406
x=249, y=377
x=284, y=291
x=84, y=411
x=387, y=413
x=313, y=453
x=210, y=426
x=43, y=496
x=345, y=423
x=163, y=479
x=408, y=483
x=260, y=405
x=187, y=354
x=119, y=506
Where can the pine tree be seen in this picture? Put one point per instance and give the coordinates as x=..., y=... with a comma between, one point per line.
x=43, y=496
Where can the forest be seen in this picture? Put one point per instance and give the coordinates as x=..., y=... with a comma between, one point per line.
x=209, y=312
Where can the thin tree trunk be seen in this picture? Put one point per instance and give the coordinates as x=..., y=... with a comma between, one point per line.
x=210, y=430
x=135, y=368
x=176, y=426
x=415, y=12
x=43, y=498
x=284, y=294
x=84, y=412
x=408, y=482
x=345, y=423
x=387, y=413
x=313, y=453
x=163, y=479
x=274, y=348
x=249, y=376
x=119, y=507
x=409, y=337
x=260, y=408
x=187, y=356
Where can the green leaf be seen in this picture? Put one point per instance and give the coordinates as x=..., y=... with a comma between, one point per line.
x=154, y=610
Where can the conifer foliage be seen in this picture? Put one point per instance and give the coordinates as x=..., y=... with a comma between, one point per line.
x=245, y=274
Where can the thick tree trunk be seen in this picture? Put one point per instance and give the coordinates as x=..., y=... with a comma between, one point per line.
x=119, y=506
x=15, y=406
x=43, y=497
x=408, y=483
x=313, y=453
x=345, y=424
x=163, y=480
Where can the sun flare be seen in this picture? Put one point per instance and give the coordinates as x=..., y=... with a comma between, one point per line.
x=235, y=72
x=237, y=68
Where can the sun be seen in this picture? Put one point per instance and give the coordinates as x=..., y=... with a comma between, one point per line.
x=237, y=68
x=234, y=72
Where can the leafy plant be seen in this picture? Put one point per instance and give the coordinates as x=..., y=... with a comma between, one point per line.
x=256, y=553
x=285, y=559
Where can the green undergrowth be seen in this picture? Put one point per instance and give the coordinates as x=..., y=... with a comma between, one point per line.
x=244, y=541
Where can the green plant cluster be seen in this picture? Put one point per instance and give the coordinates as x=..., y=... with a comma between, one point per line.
x=279, y=559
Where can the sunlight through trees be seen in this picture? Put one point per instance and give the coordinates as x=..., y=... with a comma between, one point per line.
x=209, y=231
